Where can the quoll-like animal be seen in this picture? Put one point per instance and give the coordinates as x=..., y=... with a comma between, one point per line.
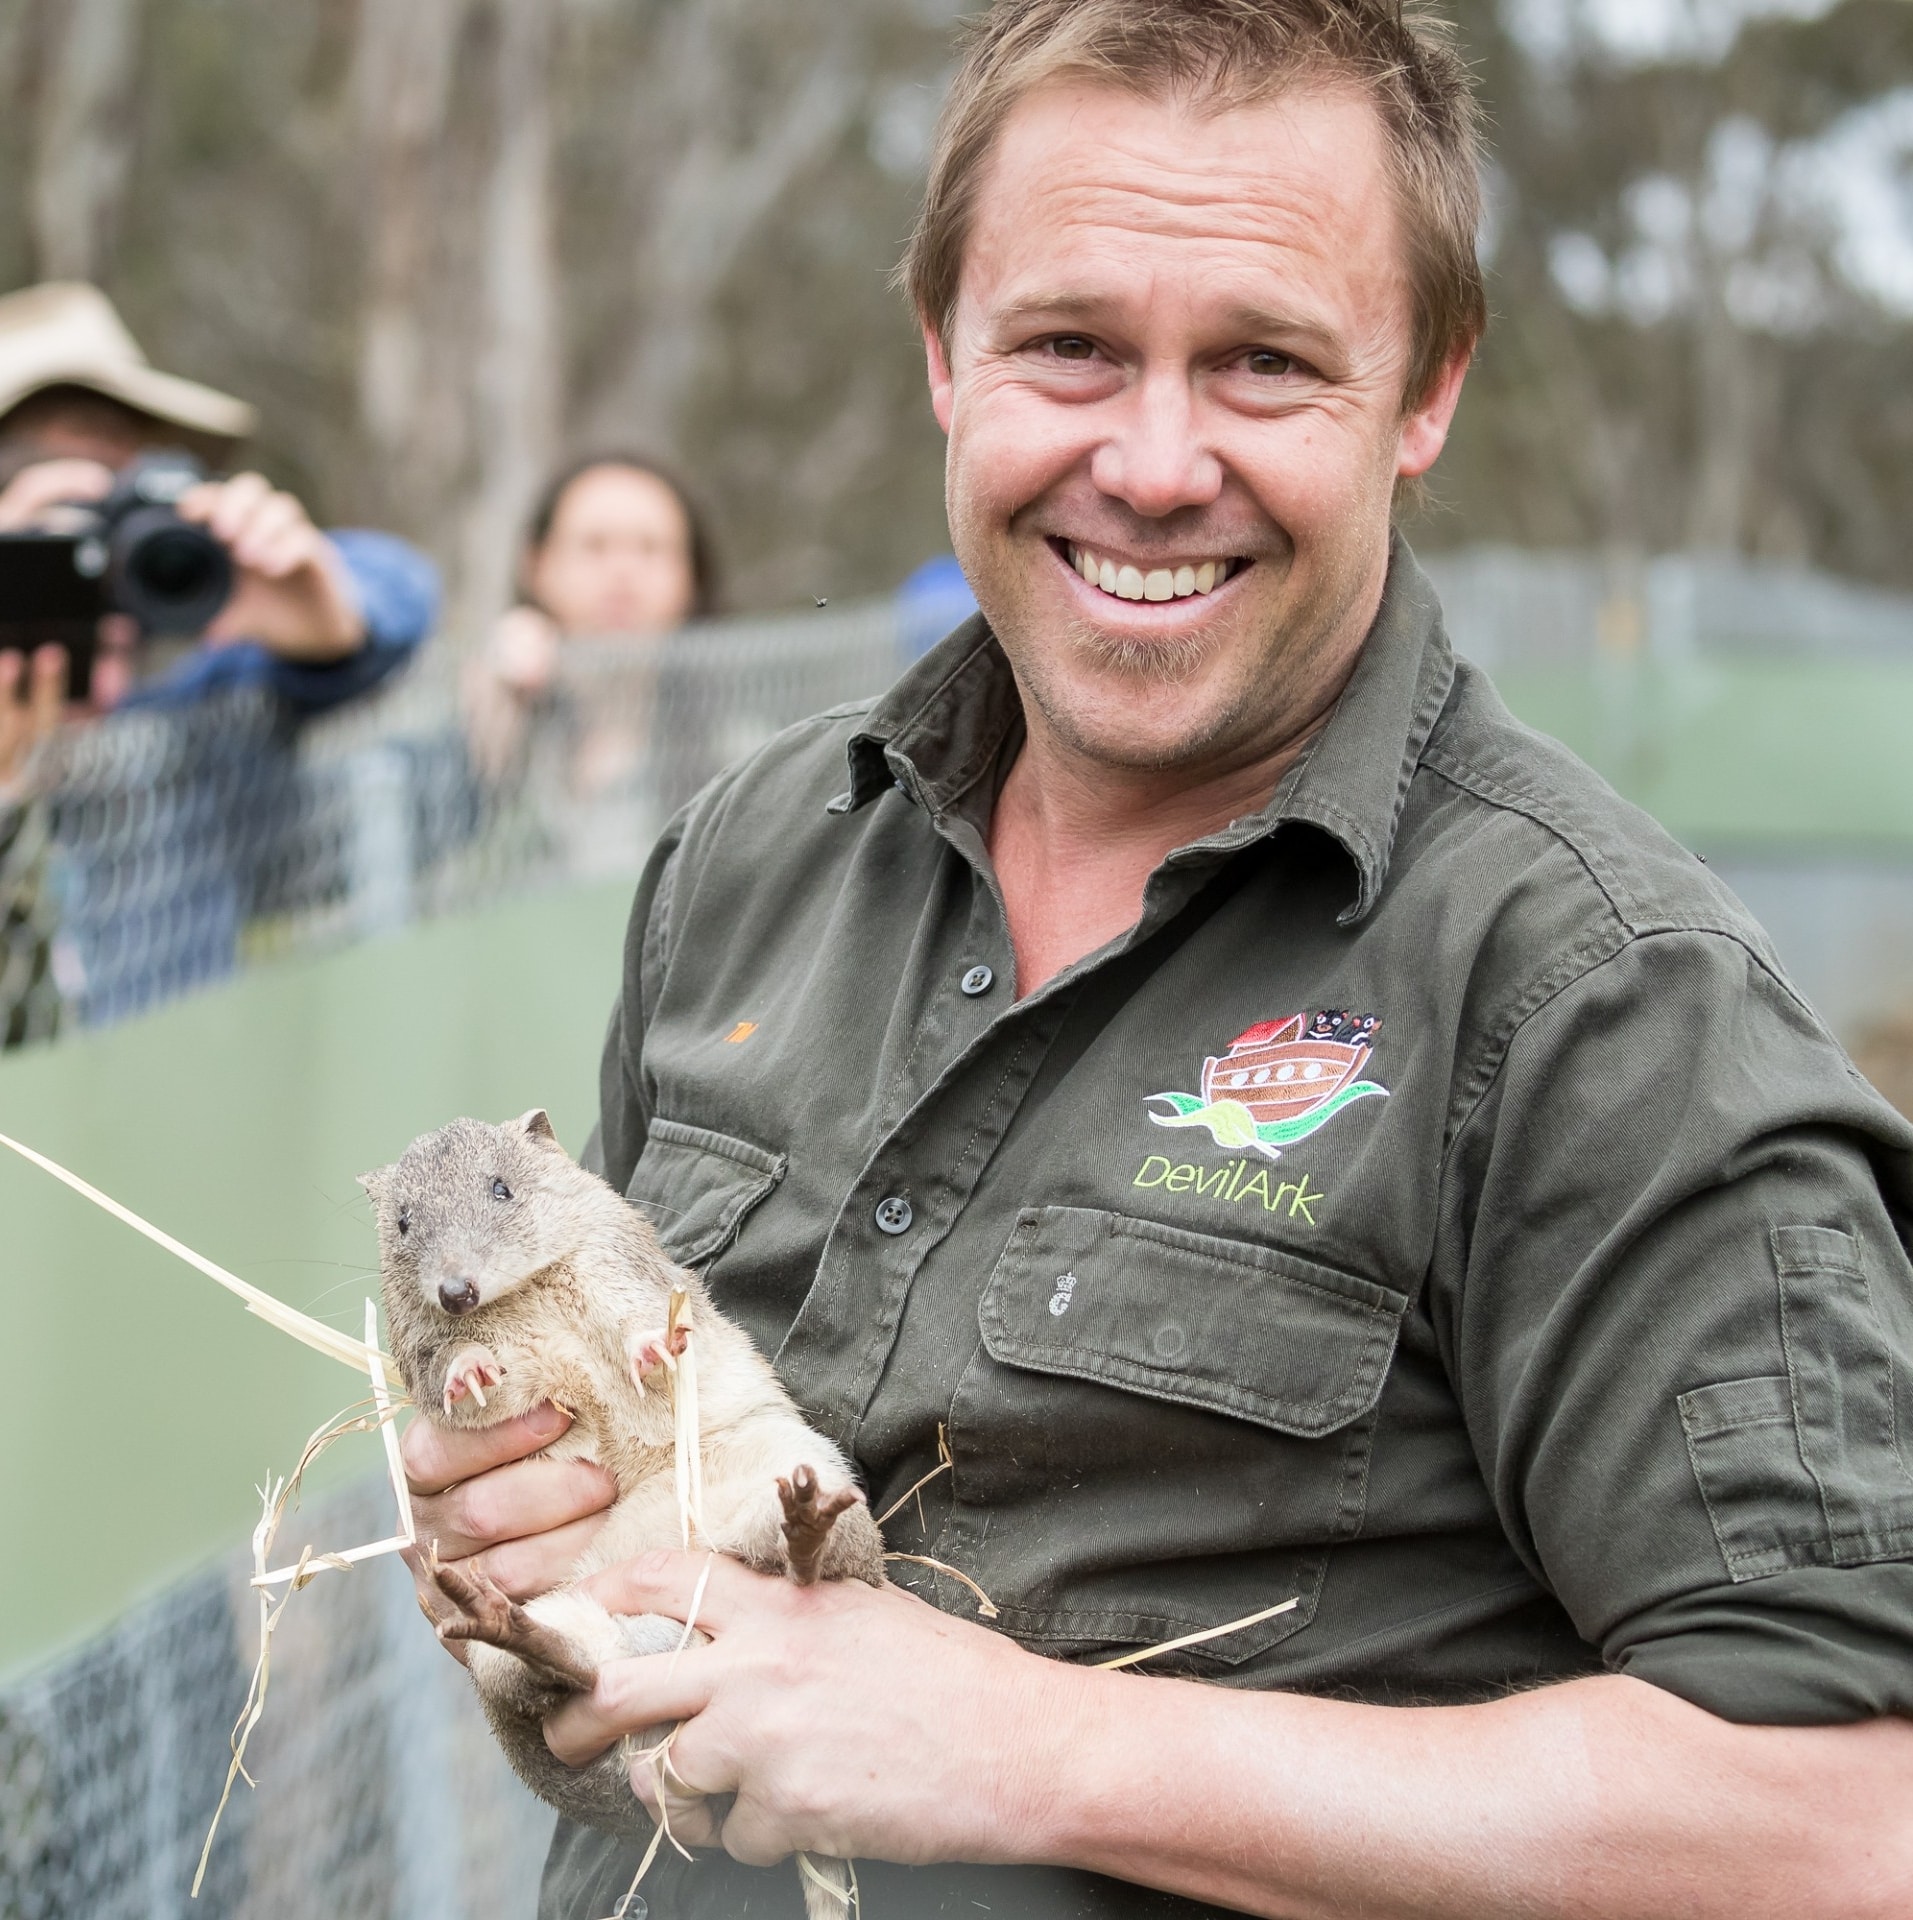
x=513, y=1276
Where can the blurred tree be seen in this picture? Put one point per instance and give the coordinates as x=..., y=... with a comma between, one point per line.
x=443, y=243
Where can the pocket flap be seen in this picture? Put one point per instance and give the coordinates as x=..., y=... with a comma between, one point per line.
x=696, y=1186
x=1252, y=1331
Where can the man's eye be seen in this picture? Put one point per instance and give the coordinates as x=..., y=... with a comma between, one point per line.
x=1072, y=346
x=1267, y=363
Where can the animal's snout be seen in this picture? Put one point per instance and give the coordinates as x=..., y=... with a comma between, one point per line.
x=458, y=1296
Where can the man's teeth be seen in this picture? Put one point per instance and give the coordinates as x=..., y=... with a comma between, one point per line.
x=1160, y=583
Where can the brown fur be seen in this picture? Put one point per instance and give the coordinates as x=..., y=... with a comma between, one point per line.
x=558, y=1284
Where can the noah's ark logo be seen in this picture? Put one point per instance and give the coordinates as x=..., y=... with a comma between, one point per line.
x=1279, y=1081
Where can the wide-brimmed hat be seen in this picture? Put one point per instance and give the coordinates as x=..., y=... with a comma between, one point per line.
x=65, y=333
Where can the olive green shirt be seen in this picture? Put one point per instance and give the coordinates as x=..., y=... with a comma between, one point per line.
x=1438, y=1209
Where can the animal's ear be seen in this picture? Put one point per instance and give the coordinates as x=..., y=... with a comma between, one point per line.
x=537, y=1123
x=376, y=1182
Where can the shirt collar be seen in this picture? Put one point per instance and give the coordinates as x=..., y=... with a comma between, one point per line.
x=942, y=726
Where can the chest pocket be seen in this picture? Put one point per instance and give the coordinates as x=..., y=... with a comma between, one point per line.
x=696, y=1187
x=1163, y=1431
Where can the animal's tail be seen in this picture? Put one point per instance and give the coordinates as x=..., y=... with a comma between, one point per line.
x=830, y=1887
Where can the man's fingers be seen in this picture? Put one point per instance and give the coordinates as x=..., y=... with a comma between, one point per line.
x=632, y=1696
x=664, y=1582
x=275, y=537
x=48, y=689
x=439, y=1457
x=540, y=1561
x=510, y=1503
x=224, y=507
x=50, y=483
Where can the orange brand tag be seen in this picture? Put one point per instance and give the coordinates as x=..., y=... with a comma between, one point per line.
x=742, y=1031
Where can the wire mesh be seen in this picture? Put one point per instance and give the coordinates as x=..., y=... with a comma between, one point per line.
x=380, y=1790
x=159, y=851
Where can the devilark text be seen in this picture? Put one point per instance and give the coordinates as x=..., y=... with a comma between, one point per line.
x=1237, y=1181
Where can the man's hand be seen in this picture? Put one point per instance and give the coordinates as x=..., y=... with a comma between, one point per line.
x=36, y=491
x=522, y=1521
x=860, y=1722
x=32, y=702
x=292, y=594
x=845, y=1719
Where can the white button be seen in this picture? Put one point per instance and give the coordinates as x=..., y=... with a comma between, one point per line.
x=978, y=980
x=894, y=1215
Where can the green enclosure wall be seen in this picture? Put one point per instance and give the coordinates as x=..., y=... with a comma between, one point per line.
x=141, y=1403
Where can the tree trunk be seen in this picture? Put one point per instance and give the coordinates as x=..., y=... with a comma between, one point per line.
x=83, y=139
x=518, y=372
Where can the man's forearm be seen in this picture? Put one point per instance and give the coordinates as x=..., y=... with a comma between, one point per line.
x=1603, y=1797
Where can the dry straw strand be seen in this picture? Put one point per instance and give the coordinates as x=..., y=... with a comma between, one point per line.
x=315, y=1333
x=275, y=1498
x=1196, y=1639
x=945, y=1462
x=984, y=1604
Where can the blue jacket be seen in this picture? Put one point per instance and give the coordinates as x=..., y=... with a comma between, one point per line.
x=397, y=590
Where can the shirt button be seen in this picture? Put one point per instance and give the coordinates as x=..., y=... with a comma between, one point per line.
x=894, y=1215
x=978, y=980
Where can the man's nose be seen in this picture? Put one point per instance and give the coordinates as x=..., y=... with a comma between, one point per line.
x=1154, y=459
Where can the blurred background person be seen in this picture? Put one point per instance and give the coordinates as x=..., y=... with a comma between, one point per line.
x=316, y=619
x=614, y=550
x=579, y=704
x=312, y=620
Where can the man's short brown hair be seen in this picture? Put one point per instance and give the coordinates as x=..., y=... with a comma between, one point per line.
x=1219, y=54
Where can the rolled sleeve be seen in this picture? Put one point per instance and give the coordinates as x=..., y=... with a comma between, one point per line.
x=1680, y=1314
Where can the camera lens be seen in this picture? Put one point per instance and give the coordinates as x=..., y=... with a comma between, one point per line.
x=171, y=576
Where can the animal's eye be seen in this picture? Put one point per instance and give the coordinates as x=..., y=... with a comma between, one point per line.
x=405, y=1219
x=500, y=1191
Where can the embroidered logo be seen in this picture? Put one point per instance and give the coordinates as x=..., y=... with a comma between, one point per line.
x=1279, y=1081
x=1059, y=1300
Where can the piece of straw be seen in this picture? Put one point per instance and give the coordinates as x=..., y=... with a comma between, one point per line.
x=846, y=1897
x=315, y=1333
x=275, y=1497
x=944, y=1464
x=686, y=1459
x=384, y=1418
x=1196, y=1639
x=984, y=1604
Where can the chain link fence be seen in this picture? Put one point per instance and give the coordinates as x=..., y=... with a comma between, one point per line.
x=381, y=1793
x=159, y=851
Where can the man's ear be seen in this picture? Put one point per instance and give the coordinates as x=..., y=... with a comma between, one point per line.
x=537, y=1123
x=376, y=1182
x=937, y=359
x=1425, y=429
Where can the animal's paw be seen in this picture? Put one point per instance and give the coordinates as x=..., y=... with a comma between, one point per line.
x=809, y=1515
x=648, y=1352
x=471, y=1372
x=478, y=1609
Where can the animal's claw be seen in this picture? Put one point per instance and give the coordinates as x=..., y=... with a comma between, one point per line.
x=654, y=1350
x=481, y=1610
x=471, y=1372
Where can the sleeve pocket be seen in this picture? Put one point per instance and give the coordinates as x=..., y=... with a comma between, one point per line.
x=1806, y=1468
x=696, y=1187
x=1759, y=1496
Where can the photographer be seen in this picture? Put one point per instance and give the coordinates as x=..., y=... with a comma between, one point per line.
x=316, y=619
x=292, y=622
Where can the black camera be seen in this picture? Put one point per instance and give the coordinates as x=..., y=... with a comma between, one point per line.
x=129, y=553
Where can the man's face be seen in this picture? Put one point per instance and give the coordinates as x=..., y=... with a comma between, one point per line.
x=1177, y=362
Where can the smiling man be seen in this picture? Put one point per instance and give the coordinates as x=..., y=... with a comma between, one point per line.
x=1330, y=1170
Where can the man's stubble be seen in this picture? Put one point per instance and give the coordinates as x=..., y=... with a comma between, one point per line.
x=1284, y=683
